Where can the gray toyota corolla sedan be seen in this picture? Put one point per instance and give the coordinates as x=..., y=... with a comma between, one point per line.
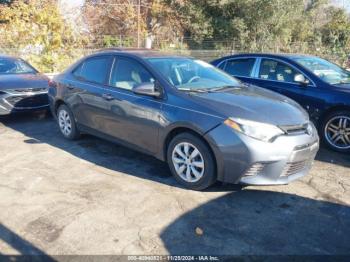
x=206, y=124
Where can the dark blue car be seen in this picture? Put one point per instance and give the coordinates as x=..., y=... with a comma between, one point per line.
x=320, y=86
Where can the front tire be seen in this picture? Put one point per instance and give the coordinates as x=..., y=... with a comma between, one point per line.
x=67, y=123
x=191, y=162
x=335, y=131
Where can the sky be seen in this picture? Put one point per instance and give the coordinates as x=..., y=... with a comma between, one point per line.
x=340, y=3
x=69, y=9
x=72, y=2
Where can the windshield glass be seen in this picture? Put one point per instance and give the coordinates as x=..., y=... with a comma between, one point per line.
x=327, y=71
x=191, y=74
x=15, y=66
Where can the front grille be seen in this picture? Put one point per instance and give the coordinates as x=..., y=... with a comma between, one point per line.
x=31, y=90
x=255, y=169
x=23, y=102
x=295, y=167
x=295, y=129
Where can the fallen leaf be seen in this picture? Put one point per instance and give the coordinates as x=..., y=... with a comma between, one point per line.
x=199, y=231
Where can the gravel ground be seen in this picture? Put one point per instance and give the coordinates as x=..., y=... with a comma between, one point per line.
x=93, y=197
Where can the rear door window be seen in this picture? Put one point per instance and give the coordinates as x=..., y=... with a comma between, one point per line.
x=95, y=70
x=240, y=67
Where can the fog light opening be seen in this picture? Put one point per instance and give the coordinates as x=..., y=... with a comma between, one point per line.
x=255, y=169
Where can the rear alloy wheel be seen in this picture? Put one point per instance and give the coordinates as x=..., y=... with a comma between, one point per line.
x=191, y=161
x=336, y=131
x=66, y=123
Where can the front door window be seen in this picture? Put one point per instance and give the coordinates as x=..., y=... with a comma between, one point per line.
x=127, y=74
x=277, y=71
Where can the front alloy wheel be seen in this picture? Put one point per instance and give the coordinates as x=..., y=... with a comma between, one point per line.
x=191, y=161
x=337, y=132
x=188, y=162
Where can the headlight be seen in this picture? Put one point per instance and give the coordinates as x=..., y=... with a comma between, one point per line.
x=310, y=129
x=257, y=130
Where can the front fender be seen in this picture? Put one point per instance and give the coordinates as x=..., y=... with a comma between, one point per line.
x=180, y=118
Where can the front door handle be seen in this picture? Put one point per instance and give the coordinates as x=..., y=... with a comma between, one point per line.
x=107, y=97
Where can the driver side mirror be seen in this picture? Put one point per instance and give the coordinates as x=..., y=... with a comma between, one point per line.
x=147, y=89
x=299, y=78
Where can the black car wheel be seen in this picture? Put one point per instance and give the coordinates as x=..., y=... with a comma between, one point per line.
x=336, y=131
x=191, y=162
x=67, y=123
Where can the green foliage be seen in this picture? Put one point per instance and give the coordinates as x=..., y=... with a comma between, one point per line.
x=37, y=30
x=265, y=25
x=249, y=22
x=112, y=41
x=336, y=33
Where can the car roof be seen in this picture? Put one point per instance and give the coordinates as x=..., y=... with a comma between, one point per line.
x=7, y=56
x=272, y=55
x=139, y=52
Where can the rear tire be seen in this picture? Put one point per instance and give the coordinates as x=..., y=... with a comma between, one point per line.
x=191, y=162
x=66, y=123
x=335, y=131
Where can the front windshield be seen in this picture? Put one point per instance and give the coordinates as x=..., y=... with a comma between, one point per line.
x=325, y=70
x=15, y=66
x=190, y=74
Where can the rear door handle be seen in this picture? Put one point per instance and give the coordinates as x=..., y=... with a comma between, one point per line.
x=70, y=86
x=107, y=97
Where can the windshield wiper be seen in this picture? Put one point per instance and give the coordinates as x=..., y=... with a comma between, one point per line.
x=208, y=90
x=216, y=89
x=196, y=90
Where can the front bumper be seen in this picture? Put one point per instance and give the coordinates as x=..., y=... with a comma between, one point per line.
x=241, y=159
x=12, y=101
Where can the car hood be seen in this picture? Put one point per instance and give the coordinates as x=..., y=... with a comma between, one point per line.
x=253, y=103
x=20, y=81
x=342, y=88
